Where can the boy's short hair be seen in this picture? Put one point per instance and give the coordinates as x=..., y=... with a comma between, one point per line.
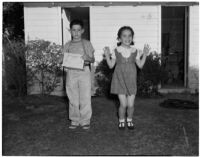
x=76, y=22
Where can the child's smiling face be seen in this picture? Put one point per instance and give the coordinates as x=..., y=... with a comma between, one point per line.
x=126, y=37
x=76, y=32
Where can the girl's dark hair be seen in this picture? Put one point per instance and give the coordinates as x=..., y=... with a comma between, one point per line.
x=76, y=22
x=120, y=33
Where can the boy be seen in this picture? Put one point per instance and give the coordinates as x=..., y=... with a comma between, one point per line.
x=78, y=82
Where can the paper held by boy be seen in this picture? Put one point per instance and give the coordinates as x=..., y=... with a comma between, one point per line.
x=73, y=61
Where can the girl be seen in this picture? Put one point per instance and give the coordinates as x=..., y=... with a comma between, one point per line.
x=125, y=74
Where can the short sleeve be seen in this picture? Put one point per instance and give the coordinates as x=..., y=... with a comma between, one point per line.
x=66, y=47
x=90, y=48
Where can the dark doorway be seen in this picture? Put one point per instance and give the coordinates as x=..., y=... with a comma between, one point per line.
x=174, y=46
x=81, y=13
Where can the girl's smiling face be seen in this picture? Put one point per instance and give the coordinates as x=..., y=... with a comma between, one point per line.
x=126, y=37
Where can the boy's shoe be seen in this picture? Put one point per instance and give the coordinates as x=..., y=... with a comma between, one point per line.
x=72, y=126
x=121, y=125
x=86, y=127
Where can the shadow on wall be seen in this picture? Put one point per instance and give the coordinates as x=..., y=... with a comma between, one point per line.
x=193, y=77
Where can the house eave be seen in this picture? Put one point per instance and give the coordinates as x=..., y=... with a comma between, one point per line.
x=106, y=4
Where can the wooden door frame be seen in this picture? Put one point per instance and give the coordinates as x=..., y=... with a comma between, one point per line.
x=186, y=47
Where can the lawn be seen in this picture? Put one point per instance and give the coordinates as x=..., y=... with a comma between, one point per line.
x=37, y=125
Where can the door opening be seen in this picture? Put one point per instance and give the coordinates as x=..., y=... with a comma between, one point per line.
x=174, y=46
x=69, y=14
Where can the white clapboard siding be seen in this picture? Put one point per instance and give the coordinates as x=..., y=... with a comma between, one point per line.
x=43, y=23
x=193, y=79
x=106, y=21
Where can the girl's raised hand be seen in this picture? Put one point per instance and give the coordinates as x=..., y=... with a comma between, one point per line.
x=146, y=49
x=107, y=51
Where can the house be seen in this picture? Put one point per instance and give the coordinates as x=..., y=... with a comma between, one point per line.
x=171, y=29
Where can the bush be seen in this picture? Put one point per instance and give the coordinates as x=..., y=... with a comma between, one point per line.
x=148, y=78
x=14, y=67
x=43, y=65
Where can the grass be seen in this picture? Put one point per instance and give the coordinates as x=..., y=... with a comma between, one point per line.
x=36, y=125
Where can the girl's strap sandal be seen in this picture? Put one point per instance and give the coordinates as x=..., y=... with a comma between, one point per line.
x=130, y=125
x=121, y=125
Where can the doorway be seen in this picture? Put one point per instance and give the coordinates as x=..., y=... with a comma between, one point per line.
x=69, y=14
x=174, y=46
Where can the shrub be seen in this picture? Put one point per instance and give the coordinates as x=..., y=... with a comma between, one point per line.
x=43, y=65
x=14, y=67
x=148, y=78
x=151, y=75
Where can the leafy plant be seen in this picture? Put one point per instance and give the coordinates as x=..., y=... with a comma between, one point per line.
x=14, y=67
x=151, y=75
x=13, y=20
x=43, y=64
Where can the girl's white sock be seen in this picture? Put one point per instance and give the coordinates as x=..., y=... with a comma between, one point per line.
x=129, y=119
x=121, y=120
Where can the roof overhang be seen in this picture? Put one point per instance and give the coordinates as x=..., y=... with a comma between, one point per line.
x=106, y=4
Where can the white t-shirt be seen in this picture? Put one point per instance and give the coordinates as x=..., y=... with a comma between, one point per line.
x=126, y=52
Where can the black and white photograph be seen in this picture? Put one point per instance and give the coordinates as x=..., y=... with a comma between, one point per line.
x=100, y=78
